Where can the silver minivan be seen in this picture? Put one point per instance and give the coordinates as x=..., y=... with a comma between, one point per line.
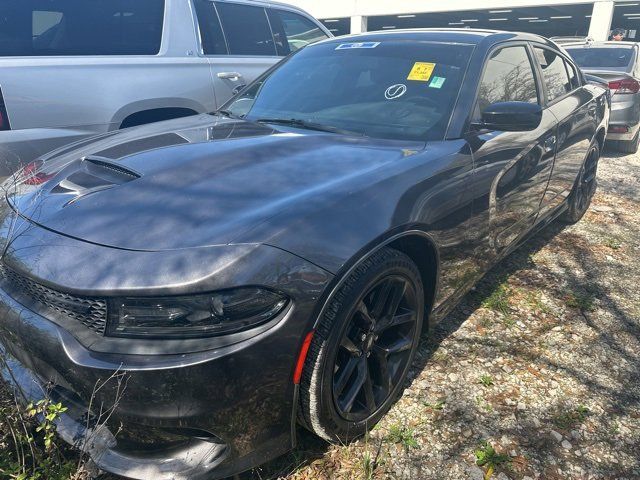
x=70, y=69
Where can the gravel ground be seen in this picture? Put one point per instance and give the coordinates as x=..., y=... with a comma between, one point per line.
x=535, y=375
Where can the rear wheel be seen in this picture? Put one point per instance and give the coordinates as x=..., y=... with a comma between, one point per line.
x=630, y=146
x=584, y=189
x=363, y=348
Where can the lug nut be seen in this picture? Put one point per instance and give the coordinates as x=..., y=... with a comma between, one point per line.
x=368, y=354
x=363, y=337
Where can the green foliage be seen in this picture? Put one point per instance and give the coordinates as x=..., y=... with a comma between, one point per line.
x=569, y=419
x=403, y=436
x=486, y=380
x=31, y=452
x=486, y=456
x=499, y=299
x=581, y=301
x=436, y=406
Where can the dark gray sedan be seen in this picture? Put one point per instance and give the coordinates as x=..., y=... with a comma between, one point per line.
x=618, y=63
x=274, y=264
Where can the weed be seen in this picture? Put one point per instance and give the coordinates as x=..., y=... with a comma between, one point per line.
x=612, y=243
x=403, y=436
x=499, y=299
x=569, y=419
x=486, y=380
x=436, y=406
x=582, y=301
x=486, y=456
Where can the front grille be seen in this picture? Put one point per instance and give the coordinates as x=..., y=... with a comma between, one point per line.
x=91, y=312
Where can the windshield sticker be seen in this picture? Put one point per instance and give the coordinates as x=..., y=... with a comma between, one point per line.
x=421, y=71
x=395, y=91
x=437, y=82
x=347, y=46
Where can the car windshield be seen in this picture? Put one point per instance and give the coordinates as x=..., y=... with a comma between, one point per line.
x=402, y=90
x=608, y=57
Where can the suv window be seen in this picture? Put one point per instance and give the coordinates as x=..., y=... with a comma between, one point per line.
x=78, y=27
x=554, y=73
x=211, y=36
x=246, y=29
x=508, y=77
x=292, y=31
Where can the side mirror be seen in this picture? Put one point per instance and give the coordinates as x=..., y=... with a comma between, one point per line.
x=511, y=117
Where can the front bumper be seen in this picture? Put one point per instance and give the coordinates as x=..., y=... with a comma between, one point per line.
x=195, y=413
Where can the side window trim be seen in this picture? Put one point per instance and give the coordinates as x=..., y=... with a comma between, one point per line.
x=485, y=63
x=224, y=34
x=538, y=66
x=273, y=38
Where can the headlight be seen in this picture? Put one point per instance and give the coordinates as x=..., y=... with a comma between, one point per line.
x=193, y=316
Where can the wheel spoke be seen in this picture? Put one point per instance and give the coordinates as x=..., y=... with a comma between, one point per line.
x=354, y=388
x=383, y=369
x=368, y=391
x=365, y=314
x=349, y=346
x=401, y=344
x=345, y=374
x=397, y=293
x=407, y=316
x=380, y=299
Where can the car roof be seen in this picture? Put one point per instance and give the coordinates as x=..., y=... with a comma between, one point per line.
x=453, y=35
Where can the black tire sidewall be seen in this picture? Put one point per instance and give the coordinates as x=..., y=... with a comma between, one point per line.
x=321, y=414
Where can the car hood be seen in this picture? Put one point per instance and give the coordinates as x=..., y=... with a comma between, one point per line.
x=192, y=182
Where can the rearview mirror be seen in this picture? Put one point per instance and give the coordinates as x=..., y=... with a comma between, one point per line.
x=511, y=116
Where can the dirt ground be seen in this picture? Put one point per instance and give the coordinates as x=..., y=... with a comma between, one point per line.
x=535, y=375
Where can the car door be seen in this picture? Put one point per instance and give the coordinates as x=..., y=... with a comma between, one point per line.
x=512, y=168
x=575, y=108
x=237, y=40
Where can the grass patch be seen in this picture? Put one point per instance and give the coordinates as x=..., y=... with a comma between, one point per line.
x=499, y=299
x=486, y=380
x=612, y=243
x=582, y=301
x=402, y=436
x=571, y=418
x=436, y=406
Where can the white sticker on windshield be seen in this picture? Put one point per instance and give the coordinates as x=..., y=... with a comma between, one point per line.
x=346, y=46
x=395, y=91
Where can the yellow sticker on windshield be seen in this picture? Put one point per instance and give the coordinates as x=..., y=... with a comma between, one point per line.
x=421, y=71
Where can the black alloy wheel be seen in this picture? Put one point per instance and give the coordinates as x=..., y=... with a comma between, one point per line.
x=584, y=188
x=363, y=347
x=375, y=348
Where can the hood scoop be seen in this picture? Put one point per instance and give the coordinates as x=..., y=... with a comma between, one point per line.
x=93, y=174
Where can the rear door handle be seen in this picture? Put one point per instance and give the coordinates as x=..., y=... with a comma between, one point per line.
x=233, y=76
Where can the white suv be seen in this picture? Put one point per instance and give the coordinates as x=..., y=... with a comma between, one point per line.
x=73, y=68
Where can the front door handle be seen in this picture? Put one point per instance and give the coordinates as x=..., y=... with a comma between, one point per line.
x=233, y=76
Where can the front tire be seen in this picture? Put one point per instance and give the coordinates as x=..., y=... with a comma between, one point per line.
x=363, y=348
x=584, y=188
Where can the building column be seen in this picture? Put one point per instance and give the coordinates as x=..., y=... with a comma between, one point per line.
x=358, y=24
x=601, y=20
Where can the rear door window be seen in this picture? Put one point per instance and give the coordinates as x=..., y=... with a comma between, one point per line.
x=292, y=31
x=80, y=27
x=246, y=29
x=554, y=73
x=211, y=36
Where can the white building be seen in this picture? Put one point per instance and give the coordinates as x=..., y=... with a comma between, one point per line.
x=593, y=18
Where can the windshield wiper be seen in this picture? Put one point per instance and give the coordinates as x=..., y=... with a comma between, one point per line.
x=296, y=122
